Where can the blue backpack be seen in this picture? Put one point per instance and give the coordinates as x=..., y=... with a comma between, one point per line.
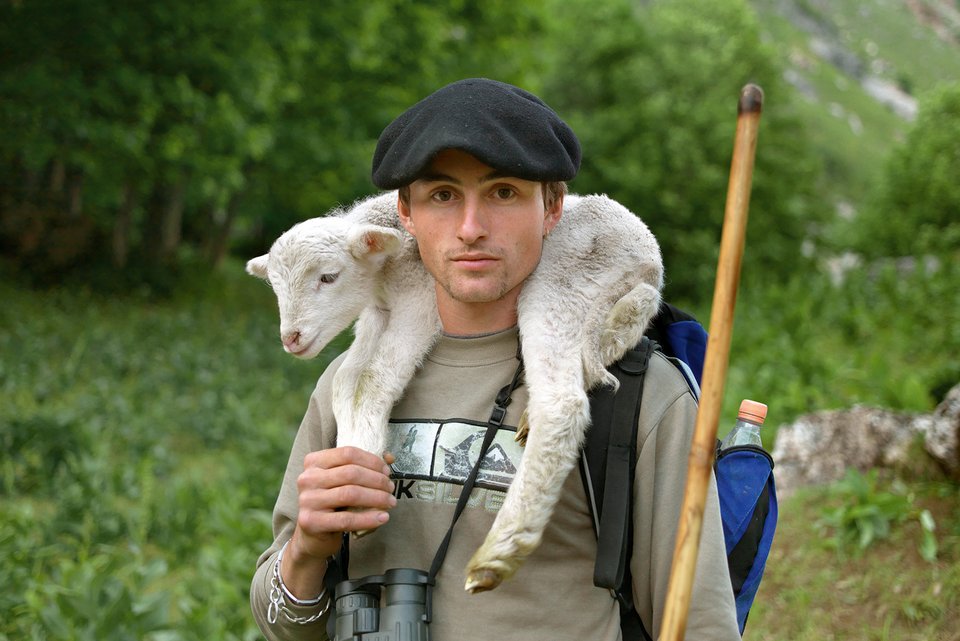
x=748, y=501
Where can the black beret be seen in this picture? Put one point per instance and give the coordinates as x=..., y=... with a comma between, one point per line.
x=503, y=126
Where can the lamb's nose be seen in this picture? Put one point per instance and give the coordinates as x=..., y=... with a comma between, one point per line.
x=290, y=339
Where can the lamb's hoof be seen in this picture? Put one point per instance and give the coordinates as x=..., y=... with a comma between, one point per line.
x=482, y=580
x=359, y=534
x=486, y=570
x=523, y=430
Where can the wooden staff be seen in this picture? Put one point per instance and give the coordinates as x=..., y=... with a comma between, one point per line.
x=715, y=366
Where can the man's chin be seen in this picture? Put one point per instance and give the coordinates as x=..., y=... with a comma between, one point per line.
x=477, y=294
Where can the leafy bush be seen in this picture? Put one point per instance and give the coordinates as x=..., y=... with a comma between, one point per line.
x=652, y=94
x=867, y=512
x=37, y=448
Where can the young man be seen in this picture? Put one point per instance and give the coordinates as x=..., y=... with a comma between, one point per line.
x=480, y=166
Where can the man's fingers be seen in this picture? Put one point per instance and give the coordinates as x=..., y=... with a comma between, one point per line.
x=343, y=489
x=318, y=523
x=340, y=456
x=344, y=475
x=346, y=496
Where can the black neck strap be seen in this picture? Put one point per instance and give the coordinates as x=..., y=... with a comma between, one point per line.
x=499, y=412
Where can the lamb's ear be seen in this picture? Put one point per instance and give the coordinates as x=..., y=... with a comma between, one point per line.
x=258, y=266
x=373, y=243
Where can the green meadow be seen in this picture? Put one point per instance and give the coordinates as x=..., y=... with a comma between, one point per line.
x=144, y=441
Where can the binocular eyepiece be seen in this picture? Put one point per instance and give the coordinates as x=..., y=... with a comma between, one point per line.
x=403, y=614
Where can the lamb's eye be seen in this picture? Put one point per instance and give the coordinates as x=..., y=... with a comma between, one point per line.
x=329, y=278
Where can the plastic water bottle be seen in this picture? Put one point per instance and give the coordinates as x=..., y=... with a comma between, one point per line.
x=746, y=431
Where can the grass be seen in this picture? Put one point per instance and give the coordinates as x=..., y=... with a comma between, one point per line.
x=888, y=36
x=144, y=443
x=884, y=338
x=817, y=587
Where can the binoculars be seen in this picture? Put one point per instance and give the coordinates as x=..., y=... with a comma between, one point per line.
x=403, y=615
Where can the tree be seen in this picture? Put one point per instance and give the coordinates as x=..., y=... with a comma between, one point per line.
x=916, y=209
x=362, y=65
x=150, y=111
x=153, y=127
x=652, y=94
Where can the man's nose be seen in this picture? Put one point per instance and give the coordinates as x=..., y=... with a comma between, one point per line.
x=473, y=223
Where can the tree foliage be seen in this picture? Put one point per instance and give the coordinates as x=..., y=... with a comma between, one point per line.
x=917, y=207
x=361, y=65
x=128, y=119
x=136, y=135
x=135, y=131
x=653, y=92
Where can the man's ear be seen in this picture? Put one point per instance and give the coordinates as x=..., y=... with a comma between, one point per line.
x=258, y=266
x=373, y=243
x=552, y=215
x=403, y=212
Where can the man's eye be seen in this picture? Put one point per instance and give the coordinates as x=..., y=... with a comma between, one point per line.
x=329, y=278
x=505, y=193
x=443, y=196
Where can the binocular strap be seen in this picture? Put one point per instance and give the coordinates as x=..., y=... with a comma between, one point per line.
x=493, y=424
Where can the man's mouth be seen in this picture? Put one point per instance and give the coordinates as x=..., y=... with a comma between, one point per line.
x=474, y=260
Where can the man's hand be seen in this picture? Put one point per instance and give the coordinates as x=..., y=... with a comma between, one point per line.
x=344, y=489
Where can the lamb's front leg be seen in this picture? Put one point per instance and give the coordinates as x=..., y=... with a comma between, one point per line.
x=368, y=330
x=372, y=379
x=559, y=412
x=383, y=382
x=378, y=385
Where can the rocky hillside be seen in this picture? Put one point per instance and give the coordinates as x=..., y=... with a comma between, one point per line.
x=861, y=68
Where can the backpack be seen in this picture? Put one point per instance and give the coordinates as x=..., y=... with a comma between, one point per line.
x=745, y=483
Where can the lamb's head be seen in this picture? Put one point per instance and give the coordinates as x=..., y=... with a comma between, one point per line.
x=324, y=271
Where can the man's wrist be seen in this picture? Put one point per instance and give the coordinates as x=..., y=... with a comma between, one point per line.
x=283, y=601
x=302, y=573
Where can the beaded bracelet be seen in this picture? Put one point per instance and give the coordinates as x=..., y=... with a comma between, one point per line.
x=280, y=595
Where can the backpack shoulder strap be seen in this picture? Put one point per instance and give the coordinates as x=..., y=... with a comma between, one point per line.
x=608, y=460
x=607, y=465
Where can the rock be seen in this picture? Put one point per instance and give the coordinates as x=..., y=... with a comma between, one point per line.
x=820, y=447
x=942, y=437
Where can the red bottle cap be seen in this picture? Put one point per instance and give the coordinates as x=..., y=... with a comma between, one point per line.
x=753, y=411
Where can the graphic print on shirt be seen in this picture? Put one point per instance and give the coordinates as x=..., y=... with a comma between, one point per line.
x=434, y=459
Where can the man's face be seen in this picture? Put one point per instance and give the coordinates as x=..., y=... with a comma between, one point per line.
x=480, y=234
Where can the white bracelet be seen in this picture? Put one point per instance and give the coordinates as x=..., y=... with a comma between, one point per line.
x=280, y=595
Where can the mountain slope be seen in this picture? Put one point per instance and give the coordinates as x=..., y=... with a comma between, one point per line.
x=860, y=68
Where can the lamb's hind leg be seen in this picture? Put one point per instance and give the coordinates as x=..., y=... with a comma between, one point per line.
x=559, y=412
x=624, y=326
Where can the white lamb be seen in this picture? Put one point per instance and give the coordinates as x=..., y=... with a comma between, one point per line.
x=589, y=300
